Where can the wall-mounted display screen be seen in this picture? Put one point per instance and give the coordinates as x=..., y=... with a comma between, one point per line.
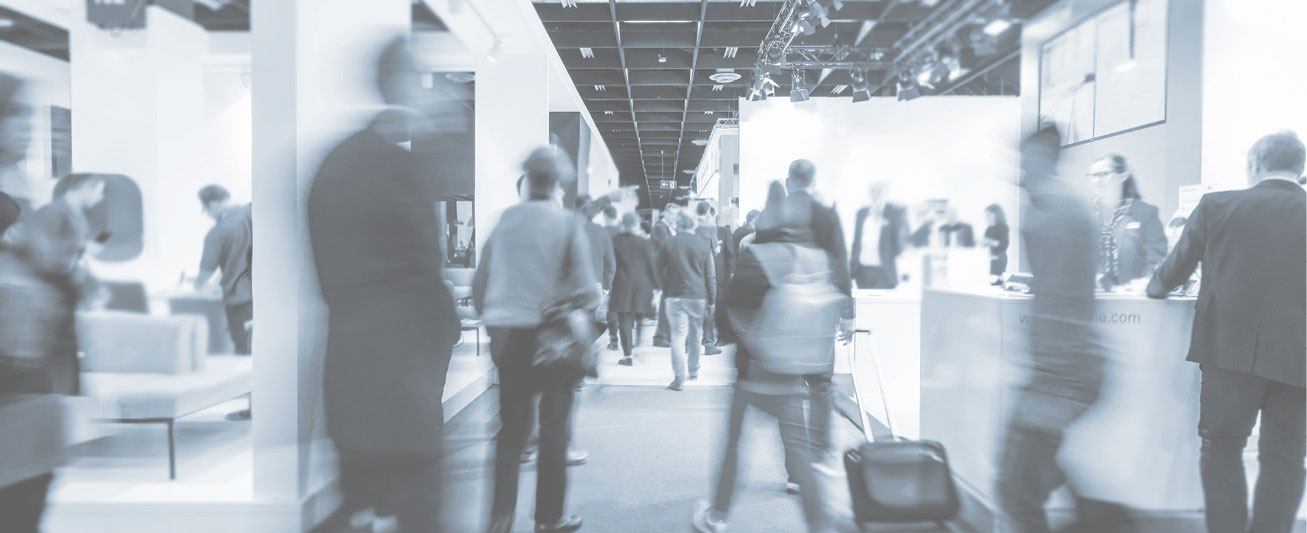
x=1100, y=78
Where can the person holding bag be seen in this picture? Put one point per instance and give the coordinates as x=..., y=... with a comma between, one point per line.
x=786, y=310
x=534, y=279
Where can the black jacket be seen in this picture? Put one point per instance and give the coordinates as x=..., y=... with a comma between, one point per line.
x=893, y=235
x=1251, y=309
x=685, y=268
x=635, y=281
x=392, y=325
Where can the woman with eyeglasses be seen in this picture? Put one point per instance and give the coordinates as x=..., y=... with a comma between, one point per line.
x=1132, y=241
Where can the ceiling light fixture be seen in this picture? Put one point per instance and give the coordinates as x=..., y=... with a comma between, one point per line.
x=730, y=51
x=608, y=112
x=803, y=25
x=662, y=58
x=861, y=89
x=839, y=89
x=601, y=88
x=748, y=3
x=707, y=112
x=725, y=76
x=996, y=27
x=799, y=87
x=587, y=53
x=6, y=24
x=718, y=88
x=568, y=3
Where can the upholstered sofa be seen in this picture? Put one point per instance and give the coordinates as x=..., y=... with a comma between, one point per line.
x=139, y=368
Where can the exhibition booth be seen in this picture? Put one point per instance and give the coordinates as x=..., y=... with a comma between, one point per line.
x=164, y=109
x=1153, y=81
x=176, y=98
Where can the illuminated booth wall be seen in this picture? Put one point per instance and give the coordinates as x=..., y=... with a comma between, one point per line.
x=954, y=147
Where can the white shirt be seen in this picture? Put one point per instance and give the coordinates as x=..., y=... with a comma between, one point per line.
x=871, y=228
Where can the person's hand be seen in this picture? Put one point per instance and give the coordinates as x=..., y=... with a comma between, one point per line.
x=846, y=330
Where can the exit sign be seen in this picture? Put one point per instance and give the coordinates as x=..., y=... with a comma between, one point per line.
x=667, y=184
x=116, y=13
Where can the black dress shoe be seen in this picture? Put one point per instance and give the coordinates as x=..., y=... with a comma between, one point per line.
x=566, y=525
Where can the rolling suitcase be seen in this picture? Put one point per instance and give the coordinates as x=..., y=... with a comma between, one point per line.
x=899, y=480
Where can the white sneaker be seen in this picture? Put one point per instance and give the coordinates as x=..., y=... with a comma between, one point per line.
x=385, y=524
x=703, y=523
x=363, y=520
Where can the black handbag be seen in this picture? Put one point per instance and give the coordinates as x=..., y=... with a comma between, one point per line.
x=899, y=480
x=566, y=340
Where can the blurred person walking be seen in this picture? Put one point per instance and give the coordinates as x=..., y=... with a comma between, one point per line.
x=62, y=233
x=36, y=331
x=634, y=284
x=228, y=247
x=1065, y=358
x=392, y=323
x=707, y=229
x=1131, y=239
x=663, y=231
x=880, y=233
x=537, y=255
x=771, y=360
x=1248, y=336
x=821, y=227
x=15, y=139
x=605, y=264
x=689, y=282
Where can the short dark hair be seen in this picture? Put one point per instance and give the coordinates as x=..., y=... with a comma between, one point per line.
x=702, y=209
x=802, y=171
x=75, y=181
x=213, y=193
x=610, y=211
x=999, y=218
x=581, y=201
x=544, y=169
x=1279, y=152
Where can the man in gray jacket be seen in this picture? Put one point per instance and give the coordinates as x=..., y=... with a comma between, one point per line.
x=689, y=280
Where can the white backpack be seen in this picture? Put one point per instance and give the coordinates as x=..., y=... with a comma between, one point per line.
x=794, y=330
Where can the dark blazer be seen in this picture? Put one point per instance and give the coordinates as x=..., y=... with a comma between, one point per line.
x=1250, y=311
x=392, y=325
x=1140, y=240
x=601, y=245
x=893, y=235
x=635, y=281
x=685, y=269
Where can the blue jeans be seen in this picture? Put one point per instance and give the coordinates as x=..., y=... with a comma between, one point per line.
x=685, y=318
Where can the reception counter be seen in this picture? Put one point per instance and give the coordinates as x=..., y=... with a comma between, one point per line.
x=1139, y=445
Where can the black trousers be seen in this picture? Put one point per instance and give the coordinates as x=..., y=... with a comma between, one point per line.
x=869, y=277
x=628, y=326
x=519, y=384
x=237, y=316
x=22, y=504
x=663, y=333
x=409, y=490
x=1229, y=404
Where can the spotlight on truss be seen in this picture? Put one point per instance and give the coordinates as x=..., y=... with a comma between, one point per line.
x=799, y=87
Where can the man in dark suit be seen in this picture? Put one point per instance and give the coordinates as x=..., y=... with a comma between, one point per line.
x=1248, y=335
x=744, y=231
x=392, y=324
x=879, y=234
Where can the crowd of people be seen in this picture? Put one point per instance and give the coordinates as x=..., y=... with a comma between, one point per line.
x=549, y=278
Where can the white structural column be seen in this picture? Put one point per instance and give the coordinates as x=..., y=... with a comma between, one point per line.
x=313, y=82
x=139, y=101
x=512, y=118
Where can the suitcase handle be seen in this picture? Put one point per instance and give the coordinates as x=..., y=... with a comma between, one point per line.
x=880, y=383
